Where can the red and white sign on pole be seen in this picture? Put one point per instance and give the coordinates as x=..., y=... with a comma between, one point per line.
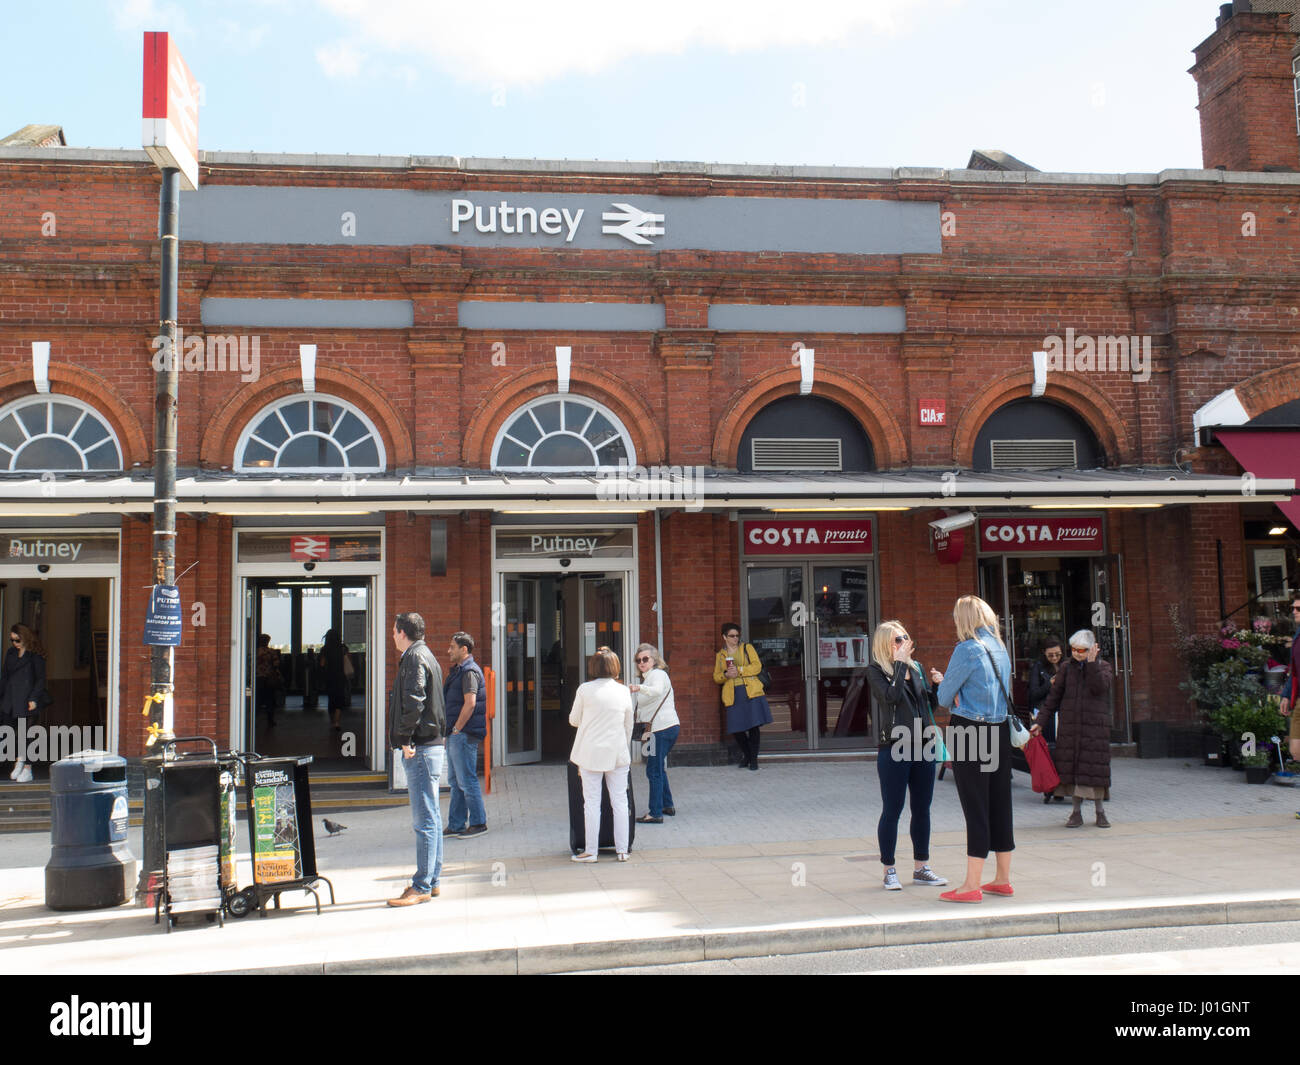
x=171, y=109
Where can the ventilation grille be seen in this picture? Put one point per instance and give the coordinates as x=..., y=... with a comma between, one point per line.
x=1035, y=455
x=775, y=453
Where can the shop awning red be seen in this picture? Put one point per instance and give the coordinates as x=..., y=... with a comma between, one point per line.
x=1268, y=453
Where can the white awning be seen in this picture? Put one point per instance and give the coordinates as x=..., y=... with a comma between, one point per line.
x=664, y=488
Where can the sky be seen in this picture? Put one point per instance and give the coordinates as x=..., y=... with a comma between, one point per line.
x=1095, y=88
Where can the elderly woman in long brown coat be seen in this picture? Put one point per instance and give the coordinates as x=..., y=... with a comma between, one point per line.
x=1081, y=692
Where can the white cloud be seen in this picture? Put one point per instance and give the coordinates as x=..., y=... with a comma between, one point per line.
x=340, y=60
x=521, y=43
x=138, y=16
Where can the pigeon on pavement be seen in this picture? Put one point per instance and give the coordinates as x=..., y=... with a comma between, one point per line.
x=333, y=827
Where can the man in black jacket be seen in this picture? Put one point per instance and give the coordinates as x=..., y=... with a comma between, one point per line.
x=418, y=725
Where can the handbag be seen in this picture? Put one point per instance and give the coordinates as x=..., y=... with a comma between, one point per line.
x=1019, y=734
x=349, y=670
x=1043, y=777
x=764, y=677
x=640, y=728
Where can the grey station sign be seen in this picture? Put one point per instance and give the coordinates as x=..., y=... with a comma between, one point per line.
x=21, y=549
x=230, y=214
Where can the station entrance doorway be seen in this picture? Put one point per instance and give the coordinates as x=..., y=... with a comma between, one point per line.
x=557, y=608
x=310, y=655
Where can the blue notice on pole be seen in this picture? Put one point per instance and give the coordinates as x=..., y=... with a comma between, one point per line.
x=162, y=626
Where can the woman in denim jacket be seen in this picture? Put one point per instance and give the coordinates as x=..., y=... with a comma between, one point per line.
x=976, y=680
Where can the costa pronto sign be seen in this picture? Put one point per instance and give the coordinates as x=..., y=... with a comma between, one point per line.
x=805, y=537
x=1013, y=536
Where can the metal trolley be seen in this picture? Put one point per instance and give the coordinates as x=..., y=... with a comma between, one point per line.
x=278, y=802
x=197, y=796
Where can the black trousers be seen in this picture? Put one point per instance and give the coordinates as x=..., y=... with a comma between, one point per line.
x=981, y=769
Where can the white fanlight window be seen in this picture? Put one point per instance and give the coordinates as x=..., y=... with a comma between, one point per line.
x=310, y=434
x=562, y=434
x=56, y=434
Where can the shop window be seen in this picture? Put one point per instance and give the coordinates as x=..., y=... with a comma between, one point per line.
x=1036, y=434
x=310, y=434
x=804, y=434
x=56, y=434
x=560, y=435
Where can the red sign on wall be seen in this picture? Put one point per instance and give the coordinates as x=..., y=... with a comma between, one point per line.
x=949, y=546
x=801, y=536
x=171, y=109
x=932, y=411
x=1022, y=535
x=309, y=548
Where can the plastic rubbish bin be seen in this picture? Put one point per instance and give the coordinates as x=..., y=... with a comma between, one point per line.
x=90, y=864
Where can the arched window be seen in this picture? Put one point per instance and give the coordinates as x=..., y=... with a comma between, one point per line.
x=561, y=434
x=1036, y=434
x=806, y=433
x=56, y=434
x=310, y=434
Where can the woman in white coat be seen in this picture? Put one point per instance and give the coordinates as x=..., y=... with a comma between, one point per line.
x=603, y=710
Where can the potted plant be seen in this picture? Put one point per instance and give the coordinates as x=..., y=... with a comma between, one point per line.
x=1257, y=766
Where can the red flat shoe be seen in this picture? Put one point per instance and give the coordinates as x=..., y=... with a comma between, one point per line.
x=962, y=896
x=999, y=889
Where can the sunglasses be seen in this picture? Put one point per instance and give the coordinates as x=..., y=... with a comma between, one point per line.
x=1078, y=650
x=732, y=635
x=15, y=639
x=900, y=639
x=645, y=658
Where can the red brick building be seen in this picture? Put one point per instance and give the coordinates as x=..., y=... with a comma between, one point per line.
x=442, y=385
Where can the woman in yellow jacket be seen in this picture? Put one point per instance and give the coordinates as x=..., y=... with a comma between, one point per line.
x=737, y=668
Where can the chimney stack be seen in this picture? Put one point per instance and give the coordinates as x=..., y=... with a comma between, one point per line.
x=1246, y=90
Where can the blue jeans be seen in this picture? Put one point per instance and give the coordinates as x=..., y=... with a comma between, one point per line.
x=656, y=747
x=897, y=778
x=462, y=776
x=422, y=773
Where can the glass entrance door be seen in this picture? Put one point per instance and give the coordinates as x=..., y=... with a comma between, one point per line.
x=523, y=687
x=811, y=625
x=1110, y=618
x=306, y=666
x=554, y=622
x=1037, y=597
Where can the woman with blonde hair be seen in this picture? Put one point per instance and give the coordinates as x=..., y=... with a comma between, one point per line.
x=602, y=713
x=977, y=679
x=903, y=700
x=22, y=687
x=656, y=711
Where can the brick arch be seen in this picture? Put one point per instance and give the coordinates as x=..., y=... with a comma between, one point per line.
x=1088, y=402
x=217, y=449
x=584, y=382
x=852, y=393
x=1269, y=389
x=93, y=390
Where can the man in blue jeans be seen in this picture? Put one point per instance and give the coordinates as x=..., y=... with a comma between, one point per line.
x=465, y=695
x=418, y=726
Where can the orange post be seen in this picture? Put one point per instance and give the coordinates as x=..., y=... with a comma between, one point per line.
x=491, y=677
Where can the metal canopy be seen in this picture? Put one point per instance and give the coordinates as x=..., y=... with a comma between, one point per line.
x=654, y=488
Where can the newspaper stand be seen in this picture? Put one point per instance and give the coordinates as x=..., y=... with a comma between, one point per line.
x=278, y=800
x=197, y=795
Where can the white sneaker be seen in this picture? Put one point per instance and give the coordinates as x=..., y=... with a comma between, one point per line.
x=583, y=858
x=891, y=880
x=25, y=777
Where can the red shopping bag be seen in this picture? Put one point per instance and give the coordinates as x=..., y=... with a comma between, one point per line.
x=1043, y=776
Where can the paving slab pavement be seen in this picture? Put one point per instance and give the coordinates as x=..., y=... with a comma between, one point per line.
x=779, y=861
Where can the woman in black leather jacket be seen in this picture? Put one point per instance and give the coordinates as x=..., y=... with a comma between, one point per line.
x=905, y=709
